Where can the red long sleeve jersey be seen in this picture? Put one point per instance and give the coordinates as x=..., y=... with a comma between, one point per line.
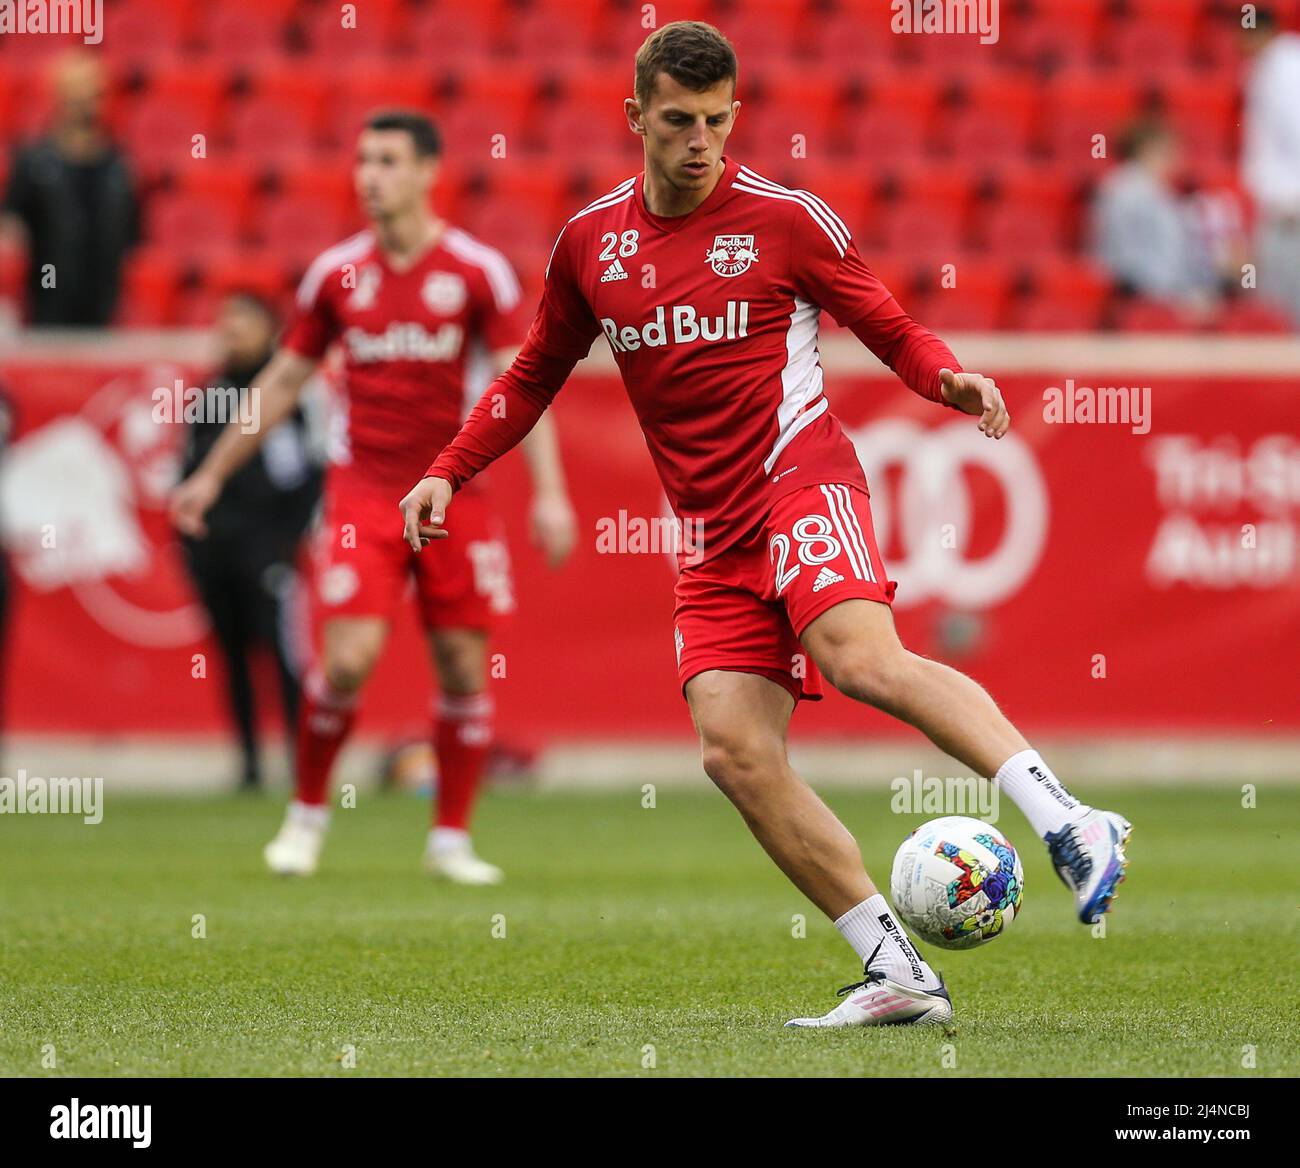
x=408, y=341
x=712, y=318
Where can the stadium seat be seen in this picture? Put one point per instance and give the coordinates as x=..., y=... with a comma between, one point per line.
x=266, y=134
x=1249, y=315
x=1150, y=316
x=150, y=287
x=366, y=37
x=1068, y=286
x=564, y=127
x=1022, y=228
x=235, y=34
x=854, y=43
x=159, y=136
x=191, y=224
x=297, y=226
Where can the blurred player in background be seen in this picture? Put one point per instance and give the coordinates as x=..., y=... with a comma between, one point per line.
x=409, y=301
x=245, y=569
x=720, y=361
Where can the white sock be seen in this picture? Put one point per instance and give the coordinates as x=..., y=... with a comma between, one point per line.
x=309, y=815
x=1037, y=792
x=448, y=839
x=871, y=929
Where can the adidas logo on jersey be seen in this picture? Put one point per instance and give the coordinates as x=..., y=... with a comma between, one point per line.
x=825, y=578
x=615, y=271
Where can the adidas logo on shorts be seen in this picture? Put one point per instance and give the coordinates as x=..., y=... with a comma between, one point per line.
x=825, y=578
x=615, y=271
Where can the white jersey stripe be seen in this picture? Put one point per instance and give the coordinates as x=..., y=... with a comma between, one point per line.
x=352, y=248
x=500, y=275
x=801, y=379
x=851, y=516
x=792, y=198
x=846, y=537
x=619, y=194
x=759, y=180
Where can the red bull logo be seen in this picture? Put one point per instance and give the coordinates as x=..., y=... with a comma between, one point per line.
x=732, y=254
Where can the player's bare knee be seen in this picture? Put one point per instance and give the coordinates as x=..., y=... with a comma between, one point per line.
x=875, y=681
x=741, y=770
x=347, y=667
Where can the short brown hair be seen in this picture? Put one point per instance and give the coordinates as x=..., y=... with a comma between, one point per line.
x=423, y=133
x=692, y=53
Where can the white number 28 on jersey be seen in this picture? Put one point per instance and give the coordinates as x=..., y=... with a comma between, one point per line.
x=625, y=244
x=814, y=543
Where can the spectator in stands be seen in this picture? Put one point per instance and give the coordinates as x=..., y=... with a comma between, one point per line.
x=70, y=197
x=1143, y=230
x=1271, y=155
x=245, y=569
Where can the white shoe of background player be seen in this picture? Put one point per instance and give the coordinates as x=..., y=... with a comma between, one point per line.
x=295, y=851
x=450, y=855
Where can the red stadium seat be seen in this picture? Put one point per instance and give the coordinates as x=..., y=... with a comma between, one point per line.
x=1150, y=316
x=267, y=135
x=369, y=90
x=1069, y=278
x=297, y=226
x=211, y=179
x=854, y=43
x=543, y=190
x=1022, y=228
x=1248, y=315
x=235, y=34
x=925, y=229
x=879, y=138
x=561, y=129
x=251, y=270
x=1045, y=314
x=978, y=135
x=151, y=280
x=140, y=34
x=366, y=36
x=191, y=224
x=159, y=136
x=329, y=187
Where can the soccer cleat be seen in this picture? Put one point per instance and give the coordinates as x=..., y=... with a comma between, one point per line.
x=295, y=851
x=878, y=1001
x=460, y=865
x=1088, y=854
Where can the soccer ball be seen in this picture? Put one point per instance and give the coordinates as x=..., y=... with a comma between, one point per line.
x=957, y=882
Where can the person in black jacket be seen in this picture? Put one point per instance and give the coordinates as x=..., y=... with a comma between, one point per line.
x=245, y=570
x=70, y=197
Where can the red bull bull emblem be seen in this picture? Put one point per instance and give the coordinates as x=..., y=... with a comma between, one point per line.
x=732, y=254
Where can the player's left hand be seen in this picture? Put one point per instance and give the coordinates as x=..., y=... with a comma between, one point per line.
x=973, y=393
x=554, y=526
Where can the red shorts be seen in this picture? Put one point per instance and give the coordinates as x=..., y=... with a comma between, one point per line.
x=745, y=609
x=362, y=566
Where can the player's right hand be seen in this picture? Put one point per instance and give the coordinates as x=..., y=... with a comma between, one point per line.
x=191, y=501
x=424, y=510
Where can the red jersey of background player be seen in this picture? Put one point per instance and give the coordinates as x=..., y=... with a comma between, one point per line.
x=712, y=318
x=407, y=338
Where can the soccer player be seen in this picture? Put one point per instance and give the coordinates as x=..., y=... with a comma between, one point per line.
x=408, y=301
x=720, y=361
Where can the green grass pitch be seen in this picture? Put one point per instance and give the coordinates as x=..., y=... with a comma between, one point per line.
x=653, y=942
